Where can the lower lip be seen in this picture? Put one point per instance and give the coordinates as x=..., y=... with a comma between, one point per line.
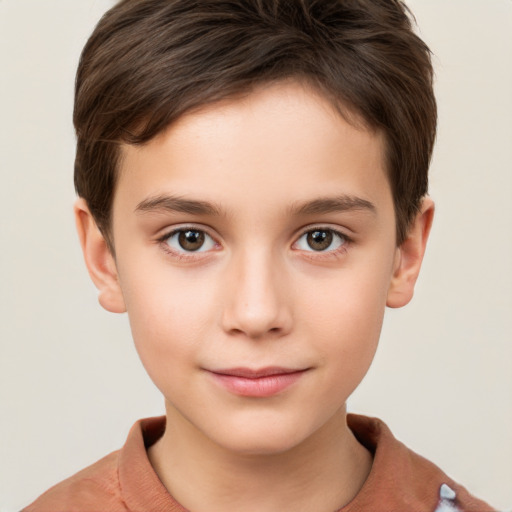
x=259, y=387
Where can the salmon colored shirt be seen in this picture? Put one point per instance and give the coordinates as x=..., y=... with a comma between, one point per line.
x=124, y=481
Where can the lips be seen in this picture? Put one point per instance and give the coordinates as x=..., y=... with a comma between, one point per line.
x=257, y=383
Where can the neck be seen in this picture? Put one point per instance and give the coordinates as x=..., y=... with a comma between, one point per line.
x=323, y=473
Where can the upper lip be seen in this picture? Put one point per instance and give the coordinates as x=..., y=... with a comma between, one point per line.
x=250, y=373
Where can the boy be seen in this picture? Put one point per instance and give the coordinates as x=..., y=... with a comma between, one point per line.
x=252, y=180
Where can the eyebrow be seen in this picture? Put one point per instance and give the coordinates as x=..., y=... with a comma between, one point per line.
x=336, y=204
x=165, y=203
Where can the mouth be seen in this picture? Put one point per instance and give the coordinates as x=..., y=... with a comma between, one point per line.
x=257, y=383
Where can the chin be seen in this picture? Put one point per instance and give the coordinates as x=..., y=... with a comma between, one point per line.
x=261, y=447
x=266, y=439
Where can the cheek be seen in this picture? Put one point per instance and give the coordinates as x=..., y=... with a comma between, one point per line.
x=351, y=328
x=168, y=314
x=346, y=317
x=347, y=348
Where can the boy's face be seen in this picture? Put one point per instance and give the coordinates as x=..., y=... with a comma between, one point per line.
x=256, y=236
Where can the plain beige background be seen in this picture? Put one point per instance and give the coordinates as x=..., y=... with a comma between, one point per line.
x=70, y=381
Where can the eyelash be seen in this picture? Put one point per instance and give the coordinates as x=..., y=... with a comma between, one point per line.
x=312, y=254
x=325, y=255
x=184, y=256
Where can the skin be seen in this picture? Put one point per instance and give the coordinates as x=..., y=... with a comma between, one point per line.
x=273, y=167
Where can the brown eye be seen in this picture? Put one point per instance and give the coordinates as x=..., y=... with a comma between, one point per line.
x=190, y=240
x=319, y=240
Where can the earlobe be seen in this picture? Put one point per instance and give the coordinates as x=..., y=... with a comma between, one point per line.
x=409, y=257
x=98, y=259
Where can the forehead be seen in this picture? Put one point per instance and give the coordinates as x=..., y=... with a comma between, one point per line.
x=281, y=143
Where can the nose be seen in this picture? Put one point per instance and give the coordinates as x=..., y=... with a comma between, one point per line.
x=257, y=299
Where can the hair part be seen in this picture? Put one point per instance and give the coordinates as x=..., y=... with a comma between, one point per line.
x=148, y=62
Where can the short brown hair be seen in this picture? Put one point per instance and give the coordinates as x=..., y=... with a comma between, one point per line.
x=150, y=61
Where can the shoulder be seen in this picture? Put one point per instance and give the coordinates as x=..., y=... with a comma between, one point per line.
x=404, y=480
x=93, y=488
x=120, y=482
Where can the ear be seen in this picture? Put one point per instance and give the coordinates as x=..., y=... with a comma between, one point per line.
x=409, y=257
x=99, y=260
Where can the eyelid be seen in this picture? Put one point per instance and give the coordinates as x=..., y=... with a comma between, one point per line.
x=328, y=253
x=167, y=233
x=344, y=232
x=171, y=231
